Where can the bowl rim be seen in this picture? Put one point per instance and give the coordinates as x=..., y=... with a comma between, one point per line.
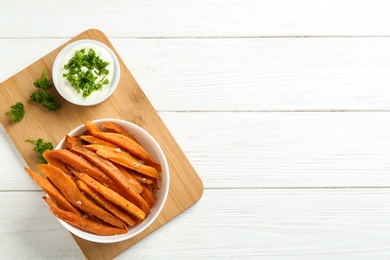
x=154, y=212
x=86, y=102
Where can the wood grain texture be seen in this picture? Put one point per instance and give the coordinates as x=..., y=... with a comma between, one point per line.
x=279, y=150
x=301, y=74
x=316, y=74
x=270, y=150
x=18, y=239
x=277, y=224
x=296, y=91
x=231, y=18
x=137, y=110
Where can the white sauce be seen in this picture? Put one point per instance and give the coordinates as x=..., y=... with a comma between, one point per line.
x=65, y=85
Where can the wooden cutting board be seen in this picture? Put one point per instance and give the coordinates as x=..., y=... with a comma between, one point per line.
x=129, y=103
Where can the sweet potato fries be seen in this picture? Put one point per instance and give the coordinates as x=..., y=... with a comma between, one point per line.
x=102, y=187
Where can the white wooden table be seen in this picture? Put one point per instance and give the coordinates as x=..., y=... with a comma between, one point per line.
x=282, y=107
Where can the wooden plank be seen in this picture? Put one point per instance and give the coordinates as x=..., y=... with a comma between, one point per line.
x=270, y=150
x=253, y=150
x=29, y=230
x=12, y=163
x=231, y=18
x=262, y=74
x=277, y=224
x=29, y=51
x=277, y=74
x=129, y=103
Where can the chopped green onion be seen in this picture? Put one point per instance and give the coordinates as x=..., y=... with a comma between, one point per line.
x=84, y=70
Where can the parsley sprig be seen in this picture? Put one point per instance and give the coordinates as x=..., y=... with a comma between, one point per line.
x=40, y=147
x=42, y=96
x=17, y=112
x=86, y=72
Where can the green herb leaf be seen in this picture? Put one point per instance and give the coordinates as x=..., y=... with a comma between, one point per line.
x=44, y=82
x=84, y=70
x=40, y=147
x=17, y=112
x=42, y=96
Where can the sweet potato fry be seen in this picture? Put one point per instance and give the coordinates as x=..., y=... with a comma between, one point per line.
x=123, y=142
x=92, y=128
x=154, y=184
x=130, y=178
x=94, y=140
x=139, y=177
x=129, y=145
x=149, y=196
x=72, y=141
x=124, y=159
x=95, y=147
x=82, y=223
x=83, y=165
x=114, y=128
x=100, y=200
x=72, y=193
x=112, y=196
x=57, y=163
x=113, y=172
x=52, y=191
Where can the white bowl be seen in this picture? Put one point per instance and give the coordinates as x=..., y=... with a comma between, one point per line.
x=66, y=90
x=154, y=149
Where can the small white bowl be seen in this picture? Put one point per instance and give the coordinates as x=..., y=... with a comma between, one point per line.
x=66, y=90
x=154, y=149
